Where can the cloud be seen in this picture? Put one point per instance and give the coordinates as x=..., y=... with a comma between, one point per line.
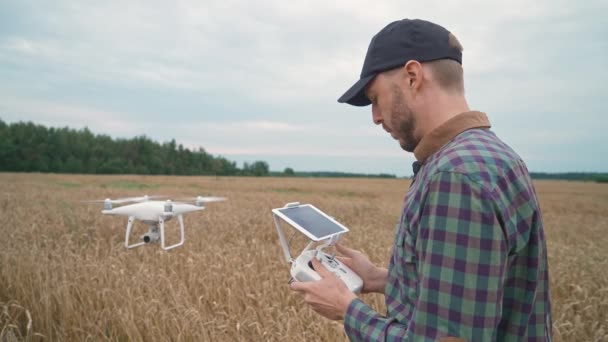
x=55, y=114
x=228, y=74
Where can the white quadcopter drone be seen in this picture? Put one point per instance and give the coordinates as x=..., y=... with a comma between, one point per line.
x=154, y=214
x=318, y=227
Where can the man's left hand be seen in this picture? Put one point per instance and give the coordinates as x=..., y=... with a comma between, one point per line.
x=329, y=296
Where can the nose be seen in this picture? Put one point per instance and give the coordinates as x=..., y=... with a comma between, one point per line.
x=376, y=116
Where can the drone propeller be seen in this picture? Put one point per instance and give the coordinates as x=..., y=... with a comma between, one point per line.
x=136, y=199
x=203, y=199
x=126, y=199
x=199, y=200
x=107, y=203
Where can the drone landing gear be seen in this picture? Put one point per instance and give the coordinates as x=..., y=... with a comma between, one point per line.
x=129, y=227
x=162, y=233
x=154, y=233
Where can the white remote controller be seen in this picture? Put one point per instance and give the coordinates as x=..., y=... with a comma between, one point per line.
x=302, y=269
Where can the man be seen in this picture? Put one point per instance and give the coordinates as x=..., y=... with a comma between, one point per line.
x=469, y=260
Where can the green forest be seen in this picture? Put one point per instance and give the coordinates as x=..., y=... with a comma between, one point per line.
x=28, y=147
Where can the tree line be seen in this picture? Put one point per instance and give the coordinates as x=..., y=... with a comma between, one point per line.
x=330, y=174
x=598, y=177
x=28, y=147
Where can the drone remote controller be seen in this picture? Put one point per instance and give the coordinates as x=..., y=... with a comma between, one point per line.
x=302, y=269
x=323, y=231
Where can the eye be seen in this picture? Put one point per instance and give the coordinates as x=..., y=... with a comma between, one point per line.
x=372, y=98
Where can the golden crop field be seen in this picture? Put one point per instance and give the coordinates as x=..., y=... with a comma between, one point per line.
x=65, y=274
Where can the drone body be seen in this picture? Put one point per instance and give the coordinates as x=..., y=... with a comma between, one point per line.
x=154, y=214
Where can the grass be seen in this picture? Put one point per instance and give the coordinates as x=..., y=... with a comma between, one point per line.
x=128, y=184
x=66, y=276
x=69, y=184
x=289, y=190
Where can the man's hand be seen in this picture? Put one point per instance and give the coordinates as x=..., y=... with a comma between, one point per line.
x=329, y=296
x=374, y=278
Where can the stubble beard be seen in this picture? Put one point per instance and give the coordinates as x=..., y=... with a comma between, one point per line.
x=405, y=121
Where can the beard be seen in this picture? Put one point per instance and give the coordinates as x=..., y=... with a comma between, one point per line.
x=403, y=120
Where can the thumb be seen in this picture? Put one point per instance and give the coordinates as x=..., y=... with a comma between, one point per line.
x=349, y=252
x=320, y=268
x=346, y=261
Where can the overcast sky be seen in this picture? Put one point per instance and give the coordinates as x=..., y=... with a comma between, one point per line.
x=258, y=80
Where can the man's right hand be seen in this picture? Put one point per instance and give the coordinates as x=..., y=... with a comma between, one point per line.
x=374, y=278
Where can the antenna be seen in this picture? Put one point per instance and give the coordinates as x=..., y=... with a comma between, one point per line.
x=282, y=240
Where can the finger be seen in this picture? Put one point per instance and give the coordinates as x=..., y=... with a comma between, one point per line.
x=320, y=268
x=299, y=286
x=349, y=252
x=346, y=261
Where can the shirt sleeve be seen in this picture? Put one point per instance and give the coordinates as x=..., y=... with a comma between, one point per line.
x=461, y=256
x=362, y=323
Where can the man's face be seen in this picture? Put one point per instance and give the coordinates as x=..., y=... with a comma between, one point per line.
x=389, y=109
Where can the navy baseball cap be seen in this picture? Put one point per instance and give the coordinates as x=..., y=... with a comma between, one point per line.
x=395, y=45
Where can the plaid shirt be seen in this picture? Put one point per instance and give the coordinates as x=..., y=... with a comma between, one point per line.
x=469, y=259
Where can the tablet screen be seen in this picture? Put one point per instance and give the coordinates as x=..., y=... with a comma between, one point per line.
x=312, y=221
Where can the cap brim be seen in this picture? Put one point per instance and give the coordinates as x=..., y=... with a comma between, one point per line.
x=356, y=94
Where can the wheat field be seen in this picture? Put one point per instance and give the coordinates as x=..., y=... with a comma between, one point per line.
x=65, y=274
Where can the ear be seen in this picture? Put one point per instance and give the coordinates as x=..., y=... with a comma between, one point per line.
x=413, y=70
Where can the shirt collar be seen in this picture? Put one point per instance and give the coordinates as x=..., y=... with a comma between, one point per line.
x=447, y=131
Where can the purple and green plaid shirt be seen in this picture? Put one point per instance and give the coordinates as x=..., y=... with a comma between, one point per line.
x=470, y=259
